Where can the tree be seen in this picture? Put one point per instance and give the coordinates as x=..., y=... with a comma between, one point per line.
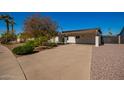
x=7, y=19
x=8, y=36
x=12, y=23
x=110, y=32
x=23, y=36
x=36, y=26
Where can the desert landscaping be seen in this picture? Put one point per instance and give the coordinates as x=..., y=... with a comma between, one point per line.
x=43, y=51
x=85, y=62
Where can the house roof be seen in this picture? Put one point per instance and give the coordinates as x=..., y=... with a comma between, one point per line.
x=94, y=31
x=81, y=30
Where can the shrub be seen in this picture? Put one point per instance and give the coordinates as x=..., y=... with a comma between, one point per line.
x=22, y=50
x=50, y=44
x=40, y=40
x=37, y=42
x=53, y=44
x=30, y=43
x=7, y=38
x=61, y=43
x=40, y=48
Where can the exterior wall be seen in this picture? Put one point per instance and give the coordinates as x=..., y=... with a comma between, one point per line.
x=71, y=39
x=81, y=40
x=55, y=40
x=51, y=40
x=86, y=40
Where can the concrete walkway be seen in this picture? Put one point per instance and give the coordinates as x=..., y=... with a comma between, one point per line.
x=68, y=62
x=9, y=68
x=108, y=62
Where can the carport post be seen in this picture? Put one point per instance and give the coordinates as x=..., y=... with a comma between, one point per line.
x=65, y=40
x=97, y=41
x=119, y=39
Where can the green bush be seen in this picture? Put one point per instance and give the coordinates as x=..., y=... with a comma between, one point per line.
x=61, y=43
x=36, y=42
x=7, y=38
x=40, y=40
x=50, y=44
x=31, y=43
x=53, y=44
x=22, y=50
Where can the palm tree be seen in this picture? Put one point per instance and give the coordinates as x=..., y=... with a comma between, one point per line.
x=8, y=36
x=12, y=23
x=7, y=19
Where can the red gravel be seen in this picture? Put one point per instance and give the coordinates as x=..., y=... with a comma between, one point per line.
x=108, y=62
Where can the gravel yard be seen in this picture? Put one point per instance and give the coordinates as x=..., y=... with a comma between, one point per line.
x=108, y=62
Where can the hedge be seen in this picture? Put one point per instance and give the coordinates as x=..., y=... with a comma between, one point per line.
x=22, y=50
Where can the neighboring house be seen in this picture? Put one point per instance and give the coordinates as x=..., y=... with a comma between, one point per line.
x=83, y=36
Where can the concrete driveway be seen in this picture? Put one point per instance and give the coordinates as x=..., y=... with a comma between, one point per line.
x=9, y=67
x=68, y=62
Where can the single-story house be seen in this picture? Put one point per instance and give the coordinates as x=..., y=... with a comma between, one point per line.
x=83, y=36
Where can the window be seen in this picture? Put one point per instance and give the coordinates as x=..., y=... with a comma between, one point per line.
x=77, y=37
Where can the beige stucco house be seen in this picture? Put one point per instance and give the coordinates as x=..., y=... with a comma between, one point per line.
x=83, y=36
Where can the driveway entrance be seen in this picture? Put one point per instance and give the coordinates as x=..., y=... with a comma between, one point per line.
x=67, y=62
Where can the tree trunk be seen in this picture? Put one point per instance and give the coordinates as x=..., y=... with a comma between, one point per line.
x=7, y=25
x=12, y=28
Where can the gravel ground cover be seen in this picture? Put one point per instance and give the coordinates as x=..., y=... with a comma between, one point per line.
x=108, y=62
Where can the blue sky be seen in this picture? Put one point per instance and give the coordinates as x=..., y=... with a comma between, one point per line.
x=74, y=20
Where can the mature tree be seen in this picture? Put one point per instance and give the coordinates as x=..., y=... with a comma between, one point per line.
x=8, y=36
x=23, y=36
x=12, y=23
x=7, y=19
x=37, y=26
